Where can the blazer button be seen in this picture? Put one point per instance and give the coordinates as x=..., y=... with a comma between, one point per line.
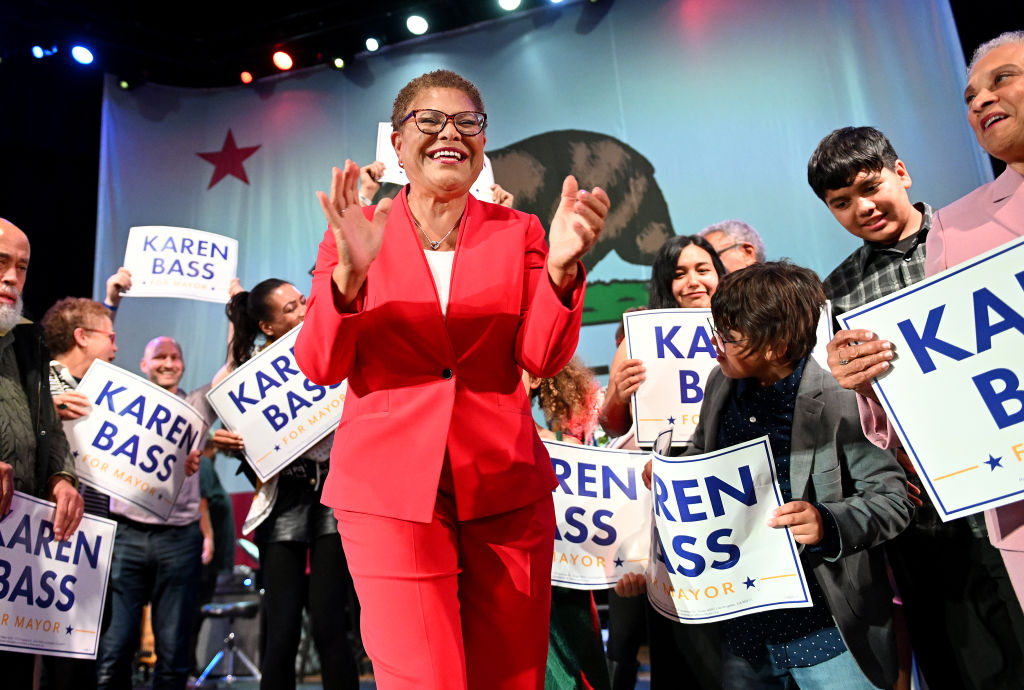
x=447, y=373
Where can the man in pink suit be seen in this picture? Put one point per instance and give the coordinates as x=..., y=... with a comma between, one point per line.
x=988, y=217
x=431, y=307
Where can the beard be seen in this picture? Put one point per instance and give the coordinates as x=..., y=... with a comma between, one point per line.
x=10, y=314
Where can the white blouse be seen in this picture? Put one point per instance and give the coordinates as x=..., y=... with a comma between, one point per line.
x=441, y=270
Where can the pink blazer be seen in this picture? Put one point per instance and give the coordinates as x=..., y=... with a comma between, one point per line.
x=421, y=385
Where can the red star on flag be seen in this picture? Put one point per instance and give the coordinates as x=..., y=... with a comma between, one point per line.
x=228, y=161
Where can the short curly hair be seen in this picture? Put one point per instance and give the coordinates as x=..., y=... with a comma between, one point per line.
x=438, y=79
x=60, y=321
x=566, y=399
x=773, y=305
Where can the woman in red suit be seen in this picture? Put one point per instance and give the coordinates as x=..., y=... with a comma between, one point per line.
x=431, y=307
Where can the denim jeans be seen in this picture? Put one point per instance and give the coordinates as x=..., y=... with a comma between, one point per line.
x=161, y=565
x=838, y=673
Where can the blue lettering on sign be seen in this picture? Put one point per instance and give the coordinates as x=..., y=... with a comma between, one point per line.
x=690, y=390
x=190, y=269
x=996, y=401
x=714, y=486
x=693, y=563
x=922, y=343
x=701, y=342
x=585, y=477
x=185, y=245
x=604, y=533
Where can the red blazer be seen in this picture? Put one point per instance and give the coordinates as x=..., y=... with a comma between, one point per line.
x=420, y=385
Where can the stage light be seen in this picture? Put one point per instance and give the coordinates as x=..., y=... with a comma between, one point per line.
x=338, y=63
x=125, y=85
x=282, y=60
x=40, y=52
x=246, y=77
x=372, y=44
x=508, y=5
x=82, y=55
x=416, y=24
x=556, y=2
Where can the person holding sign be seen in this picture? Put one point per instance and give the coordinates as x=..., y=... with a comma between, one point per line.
x=291, y=525
x=844, y=496
x=685, y=274
x=575, y=650
x=34, y=454
x=988, y=217
x=431, y=306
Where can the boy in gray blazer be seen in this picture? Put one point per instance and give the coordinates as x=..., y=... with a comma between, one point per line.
x=844, y=496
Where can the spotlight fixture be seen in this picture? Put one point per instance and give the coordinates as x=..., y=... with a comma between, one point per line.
x=82, y=55
x=40, y=52
x=372, y=44
x=125, y=84
x=282, y=60
x=416, y=24
x=246, y=77
x=338, y=62
x=509, y=5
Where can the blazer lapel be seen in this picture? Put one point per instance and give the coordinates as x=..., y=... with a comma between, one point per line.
x=717, y=396
x=806, y=426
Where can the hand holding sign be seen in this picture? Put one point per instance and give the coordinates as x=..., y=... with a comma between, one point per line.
x=358, y=240
x=70, y=508
x=117, y=284
x=856, y=357
x=71, y=405
x=803, y=520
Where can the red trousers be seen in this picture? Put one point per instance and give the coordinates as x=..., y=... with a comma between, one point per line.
x=461, y=605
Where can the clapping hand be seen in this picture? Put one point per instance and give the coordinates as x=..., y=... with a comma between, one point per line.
x=358, y=240
x=575, y=228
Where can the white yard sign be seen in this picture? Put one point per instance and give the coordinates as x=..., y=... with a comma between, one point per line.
x=52, y=592
x=277, y=410
x=603, y=513
x=180, y=262
x=955, y=391
x=713, y=556
x=134, y=442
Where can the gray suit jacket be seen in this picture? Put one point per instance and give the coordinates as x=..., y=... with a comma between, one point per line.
x=865, y=489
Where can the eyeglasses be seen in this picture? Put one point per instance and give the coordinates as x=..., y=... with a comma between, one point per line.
x=468, y=123
x=720, y=340
x=723, y=250
x=110, y=334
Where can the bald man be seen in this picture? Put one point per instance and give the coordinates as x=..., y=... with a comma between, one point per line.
x=34, y=454
x=157, y=561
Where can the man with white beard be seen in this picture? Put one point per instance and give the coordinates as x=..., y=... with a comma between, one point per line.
x=34, y=454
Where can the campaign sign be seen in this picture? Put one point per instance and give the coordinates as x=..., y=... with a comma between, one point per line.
x=955, y=391
x=180, y=262
x=277, y=410
x=675, y=347
x=52, y=592
x=134, y=442
x=603, y=511
x=713, y=556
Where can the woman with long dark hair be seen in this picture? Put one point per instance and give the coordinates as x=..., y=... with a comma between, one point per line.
x=290, y=523
x=685, y=274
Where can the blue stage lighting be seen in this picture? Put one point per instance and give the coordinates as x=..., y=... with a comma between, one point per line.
x=82, y=55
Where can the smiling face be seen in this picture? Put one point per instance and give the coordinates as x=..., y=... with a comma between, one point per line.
x=162, y=363
x=287, y=308
x=695, y=278
x=995, y=103
x=443, y=165
x=875, y=206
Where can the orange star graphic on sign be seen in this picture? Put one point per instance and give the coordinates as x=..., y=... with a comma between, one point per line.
x=228, y=161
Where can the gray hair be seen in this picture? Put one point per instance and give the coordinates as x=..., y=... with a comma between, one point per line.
x=739, y=232
x=1000, y=40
